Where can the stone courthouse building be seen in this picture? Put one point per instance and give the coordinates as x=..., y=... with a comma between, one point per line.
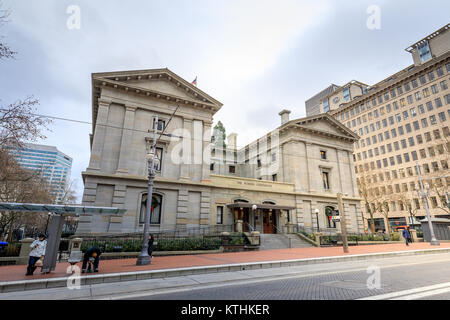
x=272, y=185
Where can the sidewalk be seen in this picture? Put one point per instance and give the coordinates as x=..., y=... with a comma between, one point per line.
x=17, y=273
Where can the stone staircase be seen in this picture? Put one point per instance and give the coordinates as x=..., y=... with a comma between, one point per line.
x=281, y=241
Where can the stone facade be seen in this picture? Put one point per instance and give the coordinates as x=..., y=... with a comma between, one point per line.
x=190, y=192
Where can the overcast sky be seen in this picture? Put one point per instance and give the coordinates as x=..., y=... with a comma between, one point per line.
x=257, y=57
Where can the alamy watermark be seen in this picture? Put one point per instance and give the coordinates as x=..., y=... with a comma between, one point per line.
x=374, y=20
x=74, y=19
x=374, y=280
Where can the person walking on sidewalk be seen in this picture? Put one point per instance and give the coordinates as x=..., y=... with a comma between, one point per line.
x=150, y=246
x=37, y=252
x=407, y=236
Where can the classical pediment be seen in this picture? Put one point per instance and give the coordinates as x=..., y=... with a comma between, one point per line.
x=322, y=124
x=155, y=83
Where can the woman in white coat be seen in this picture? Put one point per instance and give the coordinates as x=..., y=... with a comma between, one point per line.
x=37, y=252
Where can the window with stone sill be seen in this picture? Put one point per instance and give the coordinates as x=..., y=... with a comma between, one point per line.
x=155, y=213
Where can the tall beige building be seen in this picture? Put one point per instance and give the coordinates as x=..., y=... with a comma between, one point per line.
x=287, y=179
x=403, y=121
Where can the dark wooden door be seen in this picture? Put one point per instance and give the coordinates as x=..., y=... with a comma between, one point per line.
x=268, y=221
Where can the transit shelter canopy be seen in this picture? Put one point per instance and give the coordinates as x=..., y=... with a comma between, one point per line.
x=259, y=206
x=66, y=210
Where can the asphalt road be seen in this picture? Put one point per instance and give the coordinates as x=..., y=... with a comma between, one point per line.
x=422, y=277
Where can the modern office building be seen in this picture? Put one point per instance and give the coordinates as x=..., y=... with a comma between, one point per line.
x=333, y=97
x=401, y=121
x=52, y=164
x=287, y=178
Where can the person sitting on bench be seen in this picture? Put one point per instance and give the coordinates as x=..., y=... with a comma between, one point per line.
x=93, y=253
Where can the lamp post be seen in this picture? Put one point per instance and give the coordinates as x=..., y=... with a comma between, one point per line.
x=152, y=160
x=424, y=193
x=317, y=218
x=48, y=218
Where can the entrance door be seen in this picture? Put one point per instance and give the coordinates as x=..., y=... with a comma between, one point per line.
x=268, y=221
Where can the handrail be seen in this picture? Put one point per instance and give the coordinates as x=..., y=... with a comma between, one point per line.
x=251, y=227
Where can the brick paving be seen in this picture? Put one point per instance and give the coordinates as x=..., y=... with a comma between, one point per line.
x=17, y=272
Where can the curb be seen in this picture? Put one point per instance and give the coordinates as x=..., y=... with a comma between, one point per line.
x=26, y=285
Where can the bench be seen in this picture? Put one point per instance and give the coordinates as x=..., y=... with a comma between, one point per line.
x=74, y=258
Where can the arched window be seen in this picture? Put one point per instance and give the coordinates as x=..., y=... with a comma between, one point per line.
x=155, y=212
x=329, y=214
x=240, y=200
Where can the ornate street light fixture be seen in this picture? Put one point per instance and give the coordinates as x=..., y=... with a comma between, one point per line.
x=152, y=162
x=423, y=194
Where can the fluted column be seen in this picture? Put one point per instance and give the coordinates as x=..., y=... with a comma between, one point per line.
x=99, y=134
x=127, y=136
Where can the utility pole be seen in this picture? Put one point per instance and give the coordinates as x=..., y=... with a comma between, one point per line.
x=343, y=222
x=424, y=194
x=144, y=258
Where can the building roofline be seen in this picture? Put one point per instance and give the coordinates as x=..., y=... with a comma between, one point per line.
x=428, y=37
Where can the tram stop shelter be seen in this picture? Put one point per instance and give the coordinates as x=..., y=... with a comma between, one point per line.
x=59, y=212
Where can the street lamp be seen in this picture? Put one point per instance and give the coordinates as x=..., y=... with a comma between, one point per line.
x=317, y=218
x=152, y=161
x=424, y=193
x=48, y=218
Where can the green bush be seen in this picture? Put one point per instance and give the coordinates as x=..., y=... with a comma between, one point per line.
x=394, y=237
x=11, y=250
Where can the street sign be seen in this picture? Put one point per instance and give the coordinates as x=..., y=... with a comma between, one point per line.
x=335, y=212
x=336, y=218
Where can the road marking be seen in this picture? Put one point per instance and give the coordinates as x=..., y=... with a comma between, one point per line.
x=424, y=294
x=261, y=279
x=412, y=293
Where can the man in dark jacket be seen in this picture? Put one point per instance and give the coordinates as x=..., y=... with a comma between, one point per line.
x=406, y=235
x=94, y=254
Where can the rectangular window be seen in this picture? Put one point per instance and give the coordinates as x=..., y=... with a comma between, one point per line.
x=326, y=106
x=441, y=116
x=419, y=139
x=433, y=119
x=232, y=169
x=430, y=76
x=440, y=71
x=418, y=96
x=443, y=84
x=424, y=123
x=415, y=84
x=325, y=179
x=438, y=102
x=434, y=89
x=323, y=154
x=421, y=109
x=411, y=141
x=400, y=130
x=422, y=79
x=219, y=215
x=424, y=51
x=346, y=93
x=407, y=86
x=408, y=127
x=159, y=153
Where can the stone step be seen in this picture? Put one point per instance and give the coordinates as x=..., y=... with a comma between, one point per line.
x=282, y=241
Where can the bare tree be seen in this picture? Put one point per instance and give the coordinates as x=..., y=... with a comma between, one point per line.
x=364, y=191
x=19, y=185
x=69, y=195
x=5, y=51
